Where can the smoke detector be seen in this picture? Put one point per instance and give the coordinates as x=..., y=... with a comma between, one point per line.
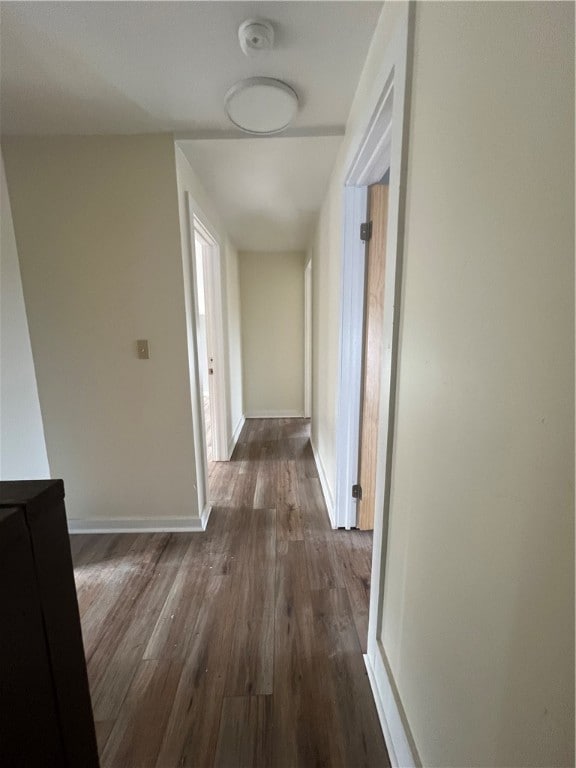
x=255, y=35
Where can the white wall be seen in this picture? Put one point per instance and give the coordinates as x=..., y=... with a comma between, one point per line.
x=96, y=221
x=22, y=444
x=272, y=291
x=478, y=623
x=188, y=182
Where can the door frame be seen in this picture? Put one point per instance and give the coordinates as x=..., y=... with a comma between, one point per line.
x=194, y=217
x=382, y=147
x=215, y=333
x=351, y=346
x=308, y=340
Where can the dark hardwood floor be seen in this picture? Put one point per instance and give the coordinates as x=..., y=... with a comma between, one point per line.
x=241, y=646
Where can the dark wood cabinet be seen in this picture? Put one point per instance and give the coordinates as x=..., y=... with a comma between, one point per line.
x=45, y=709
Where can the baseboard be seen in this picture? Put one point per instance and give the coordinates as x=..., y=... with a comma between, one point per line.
x=275, y=415
x=141, y=525
x=396, y=736
x=235, y=436
x=328, y=497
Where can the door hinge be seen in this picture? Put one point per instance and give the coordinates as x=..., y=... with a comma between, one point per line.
x=366, y=231
x=357, y=492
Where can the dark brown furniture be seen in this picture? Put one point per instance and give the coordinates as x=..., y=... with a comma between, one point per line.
x=45, y=709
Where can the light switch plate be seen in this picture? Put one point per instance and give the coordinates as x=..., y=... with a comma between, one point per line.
x=143, y=351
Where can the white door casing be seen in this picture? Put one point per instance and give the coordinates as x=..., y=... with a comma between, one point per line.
x=198, y=224
x=308, y=340
x=214, y=334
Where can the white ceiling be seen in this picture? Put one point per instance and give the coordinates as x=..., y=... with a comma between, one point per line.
x=136, y=67
x=268, y=191
x=127, y=67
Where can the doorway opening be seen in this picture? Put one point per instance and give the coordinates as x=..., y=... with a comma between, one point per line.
x=210, y=340
x=209, y=394
x=204, y=336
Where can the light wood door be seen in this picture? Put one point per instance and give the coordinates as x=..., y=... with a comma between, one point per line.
x=372, y=357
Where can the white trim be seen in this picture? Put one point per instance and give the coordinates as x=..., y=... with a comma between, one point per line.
x=196, y=223
x=205, y=516
x=191, y=304
x=308, y=340
x=275, y=415
x=351, y=340
x=140, y=524
x=382, y=144
x=372, y=159
x=235, y=436
x=326, y=490
x=203, y=230
x=212, y=267
x=396, y=735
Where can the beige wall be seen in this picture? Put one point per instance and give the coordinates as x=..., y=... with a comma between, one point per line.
x=272, y=296
x=478, y=622
x=96, y=221
x=22, y=444
x=188, y=182
x=479, y=600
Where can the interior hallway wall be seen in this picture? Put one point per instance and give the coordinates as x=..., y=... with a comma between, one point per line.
x=22, y=444
x=272, y=295
x=479, y=585
x=478, y=626
x=96, y=222
x=189, y=182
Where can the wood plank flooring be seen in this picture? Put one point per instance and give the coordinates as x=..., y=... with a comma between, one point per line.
x=241, y=646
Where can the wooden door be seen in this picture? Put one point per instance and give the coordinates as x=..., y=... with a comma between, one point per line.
x=372, y=354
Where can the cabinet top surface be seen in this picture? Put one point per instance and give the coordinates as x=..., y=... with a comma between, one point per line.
x=21, y=492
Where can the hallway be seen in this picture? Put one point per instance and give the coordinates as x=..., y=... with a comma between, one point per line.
x=241, y=646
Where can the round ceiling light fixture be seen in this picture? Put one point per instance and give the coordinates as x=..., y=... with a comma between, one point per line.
x=261, y=105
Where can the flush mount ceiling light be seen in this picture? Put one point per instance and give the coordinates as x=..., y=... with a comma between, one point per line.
x=261, y=105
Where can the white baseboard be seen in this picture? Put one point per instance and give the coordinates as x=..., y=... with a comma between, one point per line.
x=141, y=524
x=326, y=490
x=275, y=415
x=396, y=736
x=235, y=436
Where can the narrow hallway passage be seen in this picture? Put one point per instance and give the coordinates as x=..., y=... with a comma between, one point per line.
x=241, y=646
